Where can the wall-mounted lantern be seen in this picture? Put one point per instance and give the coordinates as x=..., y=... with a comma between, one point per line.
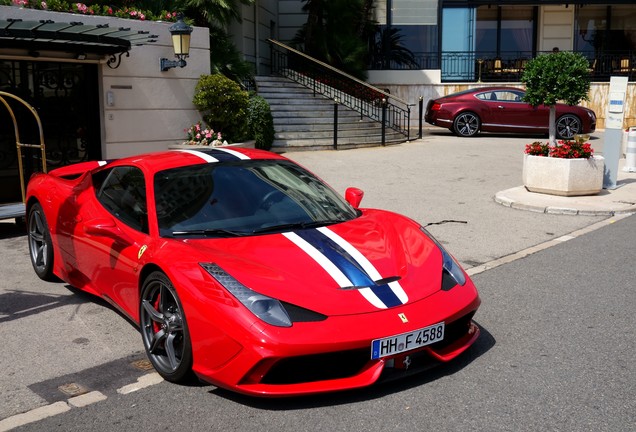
x=180, y=33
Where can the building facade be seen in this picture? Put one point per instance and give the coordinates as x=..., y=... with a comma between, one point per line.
x=467, y=43
x=93, y=103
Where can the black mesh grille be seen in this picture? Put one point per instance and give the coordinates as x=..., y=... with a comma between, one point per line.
x=345, y=364
x=318, y=367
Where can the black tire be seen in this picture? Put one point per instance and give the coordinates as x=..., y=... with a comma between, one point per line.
x=164, y=330
x=466, y=124
x=567, y=126
x=40, y=244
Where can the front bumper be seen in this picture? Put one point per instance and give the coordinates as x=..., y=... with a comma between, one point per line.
x=335, y=354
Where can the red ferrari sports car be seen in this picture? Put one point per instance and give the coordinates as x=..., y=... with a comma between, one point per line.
x=501, y=109
x=245, y=269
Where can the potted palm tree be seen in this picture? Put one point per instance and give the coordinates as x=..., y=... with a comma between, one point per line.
x=567, y=168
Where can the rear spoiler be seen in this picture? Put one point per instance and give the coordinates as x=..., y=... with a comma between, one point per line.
x=76, y=170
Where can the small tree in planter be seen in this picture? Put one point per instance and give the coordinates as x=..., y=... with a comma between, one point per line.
x=560, y=76
x=568, y=169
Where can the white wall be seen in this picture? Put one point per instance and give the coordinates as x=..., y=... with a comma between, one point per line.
x=151, y=108
x=290, y=19
x=556, y=27
x=250, y=38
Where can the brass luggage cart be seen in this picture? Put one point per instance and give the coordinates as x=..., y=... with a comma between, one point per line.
x=17, y=210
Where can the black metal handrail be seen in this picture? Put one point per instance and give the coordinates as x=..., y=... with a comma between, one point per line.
x=371, y=102
x=483, y=66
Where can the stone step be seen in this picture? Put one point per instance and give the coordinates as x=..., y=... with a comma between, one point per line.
x=301, y=125
x=349, y=134
x=304, y=121
x=318, y=144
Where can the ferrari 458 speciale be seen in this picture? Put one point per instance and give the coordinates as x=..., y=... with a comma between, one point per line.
x=245, y=270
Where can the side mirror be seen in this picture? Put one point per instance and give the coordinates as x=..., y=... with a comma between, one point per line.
x=354, y=196
x=106, y=227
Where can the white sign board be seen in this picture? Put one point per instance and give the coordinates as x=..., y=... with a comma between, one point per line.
x=615, y=108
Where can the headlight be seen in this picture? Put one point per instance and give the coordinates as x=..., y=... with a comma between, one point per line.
x=266, y=308
x=448, y=262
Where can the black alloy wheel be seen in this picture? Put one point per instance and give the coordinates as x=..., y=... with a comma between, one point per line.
x=164, y=329
x=40, y=244
x=466, y=124
x=567, y=126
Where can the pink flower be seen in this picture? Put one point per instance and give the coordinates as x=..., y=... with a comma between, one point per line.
x=110, y=11
x=43, y=5
x=142, y=16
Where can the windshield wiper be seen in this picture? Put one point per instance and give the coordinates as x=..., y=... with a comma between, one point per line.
x=295, y=226
x=213, y=232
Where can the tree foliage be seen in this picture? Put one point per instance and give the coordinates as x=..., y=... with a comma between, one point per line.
x=336, y=32
x=550, y=78
x=561, y=76
x=215, y=13
x=226, y=59
x=260, y=122
x=223, y=105
x=388, y=49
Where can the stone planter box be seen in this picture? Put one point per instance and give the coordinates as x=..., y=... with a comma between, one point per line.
x=564, y=177
x=246, y=144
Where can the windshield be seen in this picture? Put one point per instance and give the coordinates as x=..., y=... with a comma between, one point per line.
x=243, y=198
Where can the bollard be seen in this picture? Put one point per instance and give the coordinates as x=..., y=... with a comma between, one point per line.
x=630, y=151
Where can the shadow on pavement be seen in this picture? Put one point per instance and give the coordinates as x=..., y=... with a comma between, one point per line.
x=12, y=230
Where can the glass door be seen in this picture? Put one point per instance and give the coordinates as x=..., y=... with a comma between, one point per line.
x=65, y=97
x=458, y=44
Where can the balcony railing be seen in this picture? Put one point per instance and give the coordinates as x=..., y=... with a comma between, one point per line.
x=508, y=66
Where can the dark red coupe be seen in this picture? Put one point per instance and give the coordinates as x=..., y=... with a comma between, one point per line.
x=501, y=109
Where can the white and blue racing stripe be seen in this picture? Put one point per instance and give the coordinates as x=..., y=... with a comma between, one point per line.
x=348, y=267
x=215, y=154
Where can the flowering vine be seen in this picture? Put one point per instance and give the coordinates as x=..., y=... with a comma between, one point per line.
x=94, y=9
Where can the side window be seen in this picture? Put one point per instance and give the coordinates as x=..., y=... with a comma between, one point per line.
x=507, y=96
x=122, y=191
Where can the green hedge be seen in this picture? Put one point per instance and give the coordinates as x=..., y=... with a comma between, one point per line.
x=223, y=105
x=260, y=123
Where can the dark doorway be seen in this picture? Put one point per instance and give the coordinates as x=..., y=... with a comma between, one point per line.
x=65, y=96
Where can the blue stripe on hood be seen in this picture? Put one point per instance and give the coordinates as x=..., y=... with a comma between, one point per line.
x=348, y=266
x=220, y=155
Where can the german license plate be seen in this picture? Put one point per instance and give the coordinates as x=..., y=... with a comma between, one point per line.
x=407, y=341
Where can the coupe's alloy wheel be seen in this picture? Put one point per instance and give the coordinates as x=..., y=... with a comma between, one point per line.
x=567, y=126
x=164, y=330
x=466, y=124
x=40, y=245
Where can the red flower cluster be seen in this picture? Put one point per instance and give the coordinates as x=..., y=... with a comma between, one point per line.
x=563, y=150
x=538, y=149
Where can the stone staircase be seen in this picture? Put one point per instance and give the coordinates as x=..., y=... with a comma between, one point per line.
x=303, y=121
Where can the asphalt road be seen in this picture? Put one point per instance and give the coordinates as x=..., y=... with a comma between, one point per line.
x=556, y=354
x=553, y=348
